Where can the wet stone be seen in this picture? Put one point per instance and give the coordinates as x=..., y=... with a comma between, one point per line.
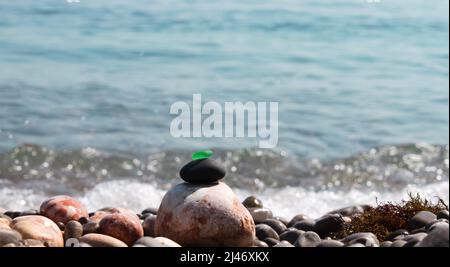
x=438, y=236
x=276, y=225
x=307, y=239
x=259, y=243
x=330, y=244
x=264, y=231
x=9, y=236
x=291, y=235
x=73, y=229
x=397, y=233
x=421, y=219
x=328, y=224
x=252, y=202
x=386, y=244
x=202, y=171
x=443, y=214
x=366, y=239
x=284, y=244
x=414, y=239
x=305, y=225
x=260, y=214
x=90, y=227
x=149, y=225
x=281, y=219
x=297, y=218
x=271, y=241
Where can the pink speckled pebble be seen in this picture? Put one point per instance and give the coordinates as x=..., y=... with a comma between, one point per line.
x=63, y=209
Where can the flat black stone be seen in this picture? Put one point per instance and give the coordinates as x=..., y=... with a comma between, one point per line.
x=202, y=171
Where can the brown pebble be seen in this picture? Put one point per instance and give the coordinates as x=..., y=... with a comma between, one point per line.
x=149, y=225
x=90, y=227
x=73, y=229
x=99, y=240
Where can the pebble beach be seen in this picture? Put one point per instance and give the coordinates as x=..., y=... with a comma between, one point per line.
x=203, y=211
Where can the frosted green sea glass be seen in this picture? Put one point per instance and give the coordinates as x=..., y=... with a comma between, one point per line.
x=202, y=154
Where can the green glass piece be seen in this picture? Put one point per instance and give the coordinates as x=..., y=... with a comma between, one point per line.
x=202, y=154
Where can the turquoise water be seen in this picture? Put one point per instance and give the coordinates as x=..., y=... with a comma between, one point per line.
x=351, y=77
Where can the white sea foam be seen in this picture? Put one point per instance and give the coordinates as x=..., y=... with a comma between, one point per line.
x=285, y=202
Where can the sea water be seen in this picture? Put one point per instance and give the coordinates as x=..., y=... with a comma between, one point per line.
x=362, y=86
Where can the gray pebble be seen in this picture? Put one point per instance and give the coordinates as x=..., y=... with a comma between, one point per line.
x=305, y=225
x=9, y=236
x=386, y=244
x=421, y=219
x=252, y=202
x=260, y=214
x=149, y=225
x=396, y=233
x=90, y=228
x=308, y=239
x=367, y=239
x=328, y=224
x=271, y=241
x=348, y=211
x=259, y=243
x=438, y=236
x=297, y=218
x=283, y=244
x=330, y=244
x=276, y=225
x=356, y=245
x=291, y=235
x=398, y=243
x=443, y=214
x=73, y=229
x=264, y=231
x=282, y=219
x=147, y=241
x=414, y=239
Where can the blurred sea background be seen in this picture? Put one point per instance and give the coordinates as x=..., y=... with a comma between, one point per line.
x=86, y=87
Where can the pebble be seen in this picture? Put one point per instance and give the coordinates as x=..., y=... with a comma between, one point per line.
x=271, y=241
x=399, y=232
x=438, y=236
x=297, y=218
x=281, y=219
x=252, y=202
x=421, y=219
x=284, y=244
x=260, y=214
x=259, y=243
x=124, y=225
x=147, y=241
x=12, y=214
x=149, y=225
x=355, y=245
x=366, y=239
x=83, y=220
x=330, y=244
x=9, y=236
x=73, y=229
x=412, y=240
x=305, y=225
x=63, y=209
x=398, y=243
x=39, y=228
x=27, y=243
x=202, y=171
x=5, y=221
x=153, y=211
x=166, y=242
x=199, y=215
x=276, y=225
x=264, y=231
x=443, y=214
x=291, y=235
x=99, y=240
x=328, y=224
x=308, y=239
x=91, y=227
x=386, y=244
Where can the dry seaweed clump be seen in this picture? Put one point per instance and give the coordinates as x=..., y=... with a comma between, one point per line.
x=388, y=217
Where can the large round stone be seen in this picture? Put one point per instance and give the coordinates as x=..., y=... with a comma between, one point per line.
x=39, y=228
x=202, y=171
x=123, y=225
x=204, y=215
x=63, y=209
